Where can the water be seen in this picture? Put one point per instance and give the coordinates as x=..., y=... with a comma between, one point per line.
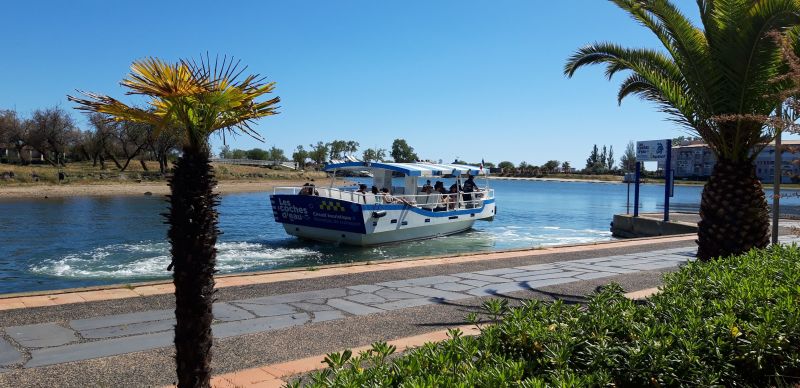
x=77, y=242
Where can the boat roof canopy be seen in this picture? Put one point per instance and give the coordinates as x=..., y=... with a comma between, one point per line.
x=412, y=169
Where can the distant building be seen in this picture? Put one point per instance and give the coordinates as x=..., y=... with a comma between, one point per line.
x=10, y=154
x=697, y=161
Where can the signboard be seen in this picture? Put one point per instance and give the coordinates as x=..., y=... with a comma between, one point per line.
x=318, y=212
x=652, y=150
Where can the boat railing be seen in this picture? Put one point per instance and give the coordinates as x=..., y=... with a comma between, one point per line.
x=433, y=201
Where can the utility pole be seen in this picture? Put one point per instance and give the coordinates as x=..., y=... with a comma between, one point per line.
x=776, y=187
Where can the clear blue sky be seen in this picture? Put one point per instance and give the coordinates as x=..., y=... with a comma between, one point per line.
x=467, y=79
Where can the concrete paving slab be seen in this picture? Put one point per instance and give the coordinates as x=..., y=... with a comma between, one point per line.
x=594, y=268
x=297, y=297
x=472, y=282
x=269, y=310
x=500, y=271
x=322, y=316
x=434, y=293
x=41, y=335
x=225, y=312
x=366, y=299
x=555, y=275
x=256, y=325
x=312, y=307
x=485, y=278
x=352, y=307
x=9, y=355
x=497, y=289
x=426, y=281
x=97, y=349
x=131, y=329
x=595, y=275
x=521, y=274
x=404, y=303
x=391, y=294
x=549, y=282
x=453, y=287
x=365, y=288
x=121, y=319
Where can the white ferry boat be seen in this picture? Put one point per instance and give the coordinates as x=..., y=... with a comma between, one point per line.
x=360, y=216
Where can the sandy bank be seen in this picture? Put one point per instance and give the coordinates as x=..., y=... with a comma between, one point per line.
x=122, y=189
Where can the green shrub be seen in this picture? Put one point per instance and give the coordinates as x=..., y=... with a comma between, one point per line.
x=732, y=322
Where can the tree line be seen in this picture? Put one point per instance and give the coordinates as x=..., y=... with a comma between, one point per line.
x=53, y=134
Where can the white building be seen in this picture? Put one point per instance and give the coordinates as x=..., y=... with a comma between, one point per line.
x=697, y=161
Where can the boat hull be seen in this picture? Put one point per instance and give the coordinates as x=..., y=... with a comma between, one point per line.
x=346, y=222
x=363, y=239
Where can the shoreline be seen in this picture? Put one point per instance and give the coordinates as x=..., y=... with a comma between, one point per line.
x=132, y=189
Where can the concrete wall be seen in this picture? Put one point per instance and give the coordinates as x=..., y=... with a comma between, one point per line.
x=626, y=226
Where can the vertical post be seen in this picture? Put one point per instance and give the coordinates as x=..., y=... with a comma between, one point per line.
x=667, y=180
x=636, y=189
x=628, y=202
x=776, y=190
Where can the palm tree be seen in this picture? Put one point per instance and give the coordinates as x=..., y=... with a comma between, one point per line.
x=198, y=99
x=715, y=81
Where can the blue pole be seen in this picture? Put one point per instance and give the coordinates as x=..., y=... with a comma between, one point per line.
x=636, y=189
x=667, y=180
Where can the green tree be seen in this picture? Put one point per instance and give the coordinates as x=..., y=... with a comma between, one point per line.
x=225, y=152
x=610, y=158
x=593, y=160
x=374, y=155
x=566, y=168
x=200, y=98
x=337, y=148
x=238, y=154
x=603, y=162
x=276, y=154
x=352, y=147
x=257, y=154
x=628, y=161
x=506, y=165
x=299, y=156
x=550, y=166
x=318, y=153
x=402, y=152
x=717, y=82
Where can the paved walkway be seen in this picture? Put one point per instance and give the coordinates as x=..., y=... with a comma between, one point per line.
x=81, y=339
x=74, y=339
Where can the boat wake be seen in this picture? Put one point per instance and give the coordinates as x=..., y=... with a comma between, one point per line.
x=150, y=260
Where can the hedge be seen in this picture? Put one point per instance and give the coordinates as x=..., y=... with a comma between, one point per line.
x=729, y=322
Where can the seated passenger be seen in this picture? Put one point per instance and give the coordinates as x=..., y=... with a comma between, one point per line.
x=427, y=185
x=307, y=189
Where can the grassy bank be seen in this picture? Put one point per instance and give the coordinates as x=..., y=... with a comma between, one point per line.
x=85, y=173
x=732, y=322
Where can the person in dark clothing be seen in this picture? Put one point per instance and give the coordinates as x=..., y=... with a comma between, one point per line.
x=468, y=188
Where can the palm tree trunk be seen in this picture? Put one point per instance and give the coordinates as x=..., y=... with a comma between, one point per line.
x=193, y=234
x=734, y=216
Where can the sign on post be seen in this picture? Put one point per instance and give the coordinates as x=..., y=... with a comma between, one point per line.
x=659, y=151
x=652, y=151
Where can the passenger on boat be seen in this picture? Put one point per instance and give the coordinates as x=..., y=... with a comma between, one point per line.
x=389, y=199
x=427, y=185
x=469, y=187
x=452, y=198
x=308, y=189
x=362, y=188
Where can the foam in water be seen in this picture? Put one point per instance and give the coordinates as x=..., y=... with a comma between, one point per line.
x=150, y=260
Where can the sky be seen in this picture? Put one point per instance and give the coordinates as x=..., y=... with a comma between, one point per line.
x=457, y=79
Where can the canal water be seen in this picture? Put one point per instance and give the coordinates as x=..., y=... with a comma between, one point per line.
x=76, y=242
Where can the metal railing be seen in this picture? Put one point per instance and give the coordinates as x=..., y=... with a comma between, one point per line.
x=433, y=201
x=255, y=162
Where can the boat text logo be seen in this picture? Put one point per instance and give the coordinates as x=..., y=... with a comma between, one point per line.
x=291, y=212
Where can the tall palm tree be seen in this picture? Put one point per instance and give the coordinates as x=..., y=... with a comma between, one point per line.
x=198, y=99
x=715, y=81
